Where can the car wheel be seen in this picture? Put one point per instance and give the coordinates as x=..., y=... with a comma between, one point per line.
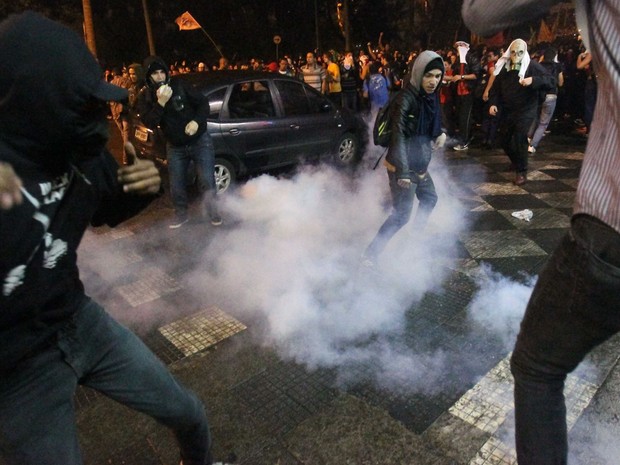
x=348, y=146
x=225, y=174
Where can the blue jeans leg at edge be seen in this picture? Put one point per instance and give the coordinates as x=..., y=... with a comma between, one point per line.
x=100, y=353
x=546, y=113
x=202, y=154
x=575, y=306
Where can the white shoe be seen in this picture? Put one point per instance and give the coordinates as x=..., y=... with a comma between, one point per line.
x=178, y=222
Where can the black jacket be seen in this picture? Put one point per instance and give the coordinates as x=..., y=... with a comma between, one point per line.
x=185, y=105
x=69, y=180
x=410, y=143
x=471, y=67
x=515, y=99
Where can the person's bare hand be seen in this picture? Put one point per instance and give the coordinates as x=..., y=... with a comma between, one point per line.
x=492, y=110
x=163, y=94
x=191, y=128
x=10, y=187
x=138, y=176
x=404, y=183
x=525, y=82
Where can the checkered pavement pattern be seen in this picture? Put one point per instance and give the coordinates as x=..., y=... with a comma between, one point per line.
x=289, y=393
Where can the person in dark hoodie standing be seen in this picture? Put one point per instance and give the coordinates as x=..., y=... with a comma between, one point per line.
x=56, y=178
x=415, y=132
x=181, y=112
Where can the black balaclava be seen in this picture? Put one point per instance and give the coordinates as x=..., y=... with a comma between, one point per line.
x=52, y=95
x=152, y=64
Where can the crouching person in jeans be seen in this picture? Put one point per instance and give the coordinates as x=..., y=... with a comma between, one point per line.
x=415, y=131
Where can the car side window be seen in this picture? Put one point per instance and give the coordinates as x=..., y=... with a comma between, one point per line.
x=293, y=96
x=216, y=101
x=251, y=100
x=298, y=100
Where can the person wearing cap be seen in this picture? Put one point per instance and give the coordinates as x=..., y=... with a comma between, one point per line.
x=181, y=111
x=56, y=179
x=416, y=131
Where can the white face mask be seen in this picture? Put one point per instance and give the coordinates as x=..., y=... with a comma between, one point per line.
x=517, y=52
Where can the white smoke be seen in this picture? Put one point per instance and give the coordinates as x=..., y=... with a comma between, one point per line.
x=293, y=259
x=499, y=305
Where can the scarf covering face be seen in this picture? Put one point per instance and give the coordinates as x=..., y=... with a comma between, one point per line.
x=505, y=62
x=463, y=48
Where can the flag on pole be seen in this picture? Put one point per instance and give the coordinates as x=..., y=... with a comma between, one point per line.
x=186, y=22
x=544, y=33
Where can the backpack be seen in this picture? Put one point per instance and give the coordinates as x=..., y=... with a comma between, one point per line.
x=382, y=129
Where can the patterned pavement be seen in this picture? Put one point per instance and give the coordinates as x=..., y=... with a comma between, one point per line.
x=279, y=405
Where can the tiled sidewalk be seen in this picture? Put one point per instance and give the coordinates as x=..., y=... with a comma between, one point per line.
x=270, y=411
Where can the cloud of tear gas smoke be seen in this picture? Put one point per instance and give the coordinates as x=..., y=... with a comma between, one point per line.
x=596, y=442
x=499, y=305
x=294, y=260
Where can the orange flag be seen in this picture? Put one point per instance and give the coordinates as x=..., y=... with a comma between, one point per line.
x=186, y=22
x=544, y=33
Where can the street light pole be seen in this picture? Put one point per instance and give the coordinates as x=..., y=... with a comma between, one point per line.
x=316, y=25
x=149, y=32
x=89, y=29
x=347, y=25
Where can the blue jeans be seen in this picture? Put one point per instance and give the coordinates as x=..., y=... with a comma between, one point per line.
x=575, y=306
x=539, y=126
x=179, y=157
x=37, y=417
x=402, y=203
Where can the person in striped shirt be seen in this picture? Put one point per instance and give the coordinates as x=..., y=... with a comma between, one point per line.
x=575, y=305
x=313, y=73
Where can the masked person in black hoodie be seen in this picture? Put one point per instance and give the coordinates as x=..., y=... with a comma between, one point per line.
x=415, y=132
x=181, y=112
x=56, y=178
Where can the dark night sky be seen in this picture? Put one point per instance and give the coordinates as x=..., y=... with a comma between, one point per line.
x=243, y=28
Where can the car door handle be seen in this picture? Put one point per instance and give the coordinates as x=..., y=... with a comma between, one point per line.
x=234, y=132
x=294, y=126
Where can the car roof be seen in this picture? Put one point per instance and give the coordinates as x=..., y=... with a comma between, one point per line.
x=220, y=78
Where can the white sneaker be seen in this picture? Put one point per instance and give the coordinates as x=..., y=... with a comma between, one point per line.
x=531, y=149
x=461, y=147
x=178, y=222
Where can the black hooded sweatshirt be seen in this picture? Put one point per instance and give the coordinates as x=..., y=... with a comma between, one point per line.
x=185, y=105
x=53, y=133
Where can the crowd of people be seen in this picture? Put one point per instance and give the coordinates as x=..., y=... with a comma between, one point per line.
x=363, y=81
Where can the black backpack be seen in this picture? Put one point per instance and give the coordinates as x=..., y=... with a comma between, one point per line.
x=382, y=130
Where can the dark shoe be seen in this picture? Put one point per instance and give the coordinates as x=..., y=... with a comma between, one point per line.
x=520, y=179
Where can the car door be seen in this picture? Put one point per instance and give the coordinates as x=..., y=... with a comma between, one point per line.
x=250, y=126
x=315, y=124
